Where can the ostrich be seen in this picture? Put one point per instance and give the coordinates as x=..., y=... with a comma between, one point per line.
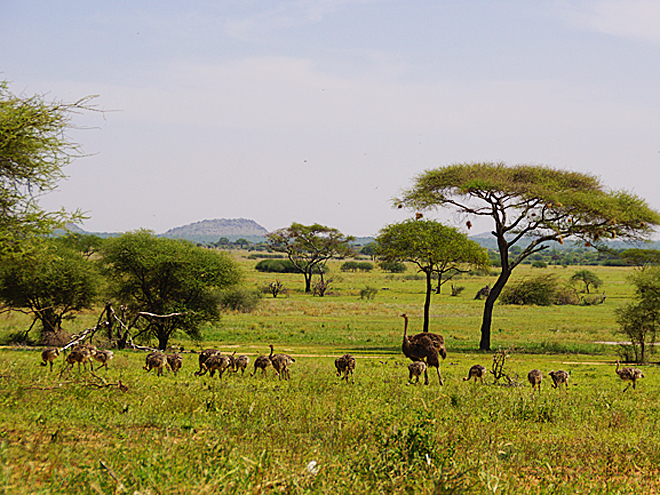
x=628, y=375
x=559, y=378
x=281, y=363
x=203, y=356
x=262, y=362
x=345, y=366
x=81, y=354
x=425, y=346
x=217, y=362
x=477, y=371
x=416, y=368
x=48, y=356
x=240, y=363
x=534, y=377
x=174, y=361
x=156, y=360
x=103, y=356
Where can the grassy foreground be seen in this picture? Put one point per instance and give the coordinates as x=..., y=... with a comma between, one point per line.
x=79, y=433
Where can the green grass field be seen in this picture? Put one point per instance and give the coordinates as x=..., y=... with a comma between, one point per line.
x=79, y=433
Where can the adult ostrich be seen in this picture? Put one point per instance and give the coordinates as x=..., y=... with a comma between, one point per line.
x=426, y=347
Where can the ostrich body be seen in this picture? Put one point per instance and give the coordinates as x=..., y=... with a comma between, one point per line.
x=281, y=363
x=559, y=378
x=534, y=377
x=203, y=356
x=628, y=375
x=415, y=369
x=240, y=363
x=425, y=346
x=477, y=371
x=103, y=356
x=345, y=366
x=261, y=363
x=174, y=362
x=217, y=362
x=48, y=356
x=155, y=360
x=81, y=354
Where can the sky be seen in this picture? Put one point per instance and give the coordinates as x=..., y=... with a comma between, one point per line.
x=323, y=111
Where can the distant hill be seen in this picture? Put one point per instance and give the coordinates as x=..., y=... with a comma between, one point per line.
x=208, y=231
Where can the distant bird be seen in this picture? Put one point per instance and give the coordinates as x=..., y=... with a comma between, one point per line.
x=345, y=366
x=477, y=371
x=425, y=346
x=534, y=377
x=559, y=378
x=628, y=375
x=281, y=363
x=415, y=369
x=48, y=356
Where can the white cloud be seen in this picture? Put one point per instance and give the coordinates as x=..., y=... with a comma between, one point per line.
x=627, y=18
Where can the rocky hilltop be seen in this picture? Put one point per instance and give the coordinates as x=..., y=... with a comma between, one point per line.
x=208, y=231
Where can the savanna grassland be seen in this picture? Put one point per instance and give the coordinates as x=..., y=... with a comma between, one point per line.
x=77, y=432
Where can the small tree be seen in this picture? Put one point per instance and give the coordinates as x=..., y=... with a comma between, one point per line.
x=51, y=281
x=174, y=284
x=435, y=249
x=309, y=247
x=639, y=320
x=588, y=278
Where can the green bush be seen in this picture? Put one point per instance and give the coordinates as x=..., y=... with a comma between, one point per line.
x=357, y=266
x=240, y=299
x=393, y=267
x=541, y=291
x=275, y=266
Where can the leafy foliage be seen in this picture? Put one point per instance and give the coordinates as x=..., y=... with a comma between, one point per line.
x=540, y=290
x=50, y=280
x=588, y=278
x=33, y=152
x=167, y=277
x=240, y=299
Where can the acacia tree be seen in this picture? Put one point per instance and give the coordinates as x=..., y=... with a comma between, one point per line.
x=49, y=280
x=173, y=284
x=434, y=248
x=34, y=148
x=533, y=203
x=588, y=278
x=309, y=247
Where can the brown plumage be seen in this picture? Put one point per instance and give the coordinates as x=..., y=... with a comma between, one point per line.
x=217, y=362
x=534, y=377
x=345, y=366
x=103, y=356
x=477, y=371
x=281, y=363
x=415, y=369
x=261, y=363
x=425, y=346
x=628, y=375
x=48, y=356
x=240, y=363
x=81, y=354
x=203, y=356
x=559, y=378
x=155, y=360
x=174, y=362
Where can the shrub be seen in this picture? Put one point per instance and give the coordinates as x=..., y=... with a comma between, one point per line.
x=357, y=266
x=275, y=266
x=539, y=264
x=393, y=266
x=541, y=291
x=240, y=299
x=368, y=293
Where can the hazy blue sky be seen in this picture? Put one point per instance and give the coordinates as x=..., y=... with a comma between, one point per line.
x=322, y=111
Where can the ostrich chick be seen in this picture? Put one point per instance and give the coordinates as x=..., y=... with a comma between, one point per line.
x=103, y=356
x=416, y=369
x=559, y=378
x=156, y=360
x=48, y=356
x=240, y=363
x=534, y=377
x=261, y=363
x=345, y=366
x=628, y=375
x=281, y=363
x=174, y=362
x=477, y=371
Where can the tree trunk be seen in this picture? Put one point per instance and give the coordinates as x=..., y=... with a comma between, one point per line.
x=487, y=320
x=427, y=301
x=308, y=282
